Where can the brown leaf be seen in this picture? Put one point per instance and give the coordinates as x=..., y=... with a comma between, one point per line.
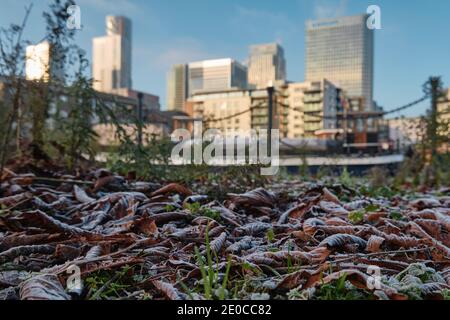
x=339, y=241
x=13, y=200
x=374, y=244
x=172, y=188
x=42, y=220
x=167, y=289
x=329, y=196
x=218, y=243
x=81, y=195
x=43, y=287
x=259, y=198
x=146, y=226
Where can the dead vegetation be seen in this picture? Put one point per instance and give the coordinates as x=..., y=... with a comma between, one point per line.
x=291, y=240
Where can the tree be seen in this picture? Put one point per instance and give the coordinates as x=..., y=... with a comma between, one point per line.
x=11, y=70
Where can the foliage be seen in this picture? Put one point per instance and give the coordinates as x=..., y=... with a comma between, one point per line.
x=107, y=284
x=198, y=210
x=53, y=115
x=356, y=217
x=212, y=288
x=11, y=69
x=270, y=235
x=395, y=215
x=340, y=289
x=346, y=178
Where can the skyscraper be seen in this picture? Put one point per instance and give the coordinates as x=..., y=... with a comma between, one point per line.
x=342, y=51
x=177, y=87
x=111, y=67
x=40, y=65
x=215, y=75
x=266, y=65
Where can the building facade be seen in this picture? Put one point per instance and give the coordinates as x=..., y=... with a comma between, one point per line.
x=266, y=65
x=313, y=108
x=150, y=102
x=214, y=108
x=342, y=51
x=404, y=132
x=111, y=57
x=40, y=65
x=177, y=87
x=216, y=75
x=300, y=109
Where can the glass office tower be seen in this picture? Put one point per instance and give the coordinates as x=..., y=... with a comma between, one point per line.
x=342, y=51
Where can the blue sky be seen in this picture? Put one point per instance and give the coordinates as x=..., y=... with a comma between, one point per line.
x=412, y=44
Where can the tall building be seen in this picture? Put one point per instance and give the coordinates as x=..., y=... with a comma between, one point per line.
x=215, y=75
x=313, y=108
x=266, y=65
x=40, y=65
x=177, y=87
x=342, y=51
x=111, y=67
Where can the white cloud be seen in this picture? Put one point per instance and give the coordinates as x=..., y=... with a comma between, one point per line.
x=329, y=9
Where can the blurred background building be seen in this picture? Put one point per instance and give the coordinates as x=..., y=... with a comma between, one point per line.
x=214, y=75
x=405, y=132
x=177, y=87
x=301, y=109
x=266, y=65
x=111, y=65
x=41, y=64
x=342, y=51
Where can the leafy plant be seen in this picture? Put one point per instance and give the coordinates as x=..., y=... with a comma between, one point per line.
x=446, y=294
x=396, y=215
x=270, y=235
x=104, y=285
x=356, y=217
x=346, y=178
x=340, y=289
x=196, y=209
x=169, y=208
x=212, y=288
x=372, y=208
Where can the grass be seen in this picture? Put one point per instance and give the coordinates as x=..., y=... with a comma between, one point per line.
x=356, y=217
x=270, y=235
x=340, y=289
x=212, y=288
x=108, y=284
x=396, y=215
x=169, y=208
x=196, y=209
x=346, y=178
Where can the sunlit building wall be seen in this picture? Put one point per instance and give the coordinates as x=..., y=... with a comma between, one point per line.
x=40, y=65
x=214, y=75
x=111, y=67
x=223, y=104
x=312, y=107
x=177, y=87
x=266, y=66
x=342, y=50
